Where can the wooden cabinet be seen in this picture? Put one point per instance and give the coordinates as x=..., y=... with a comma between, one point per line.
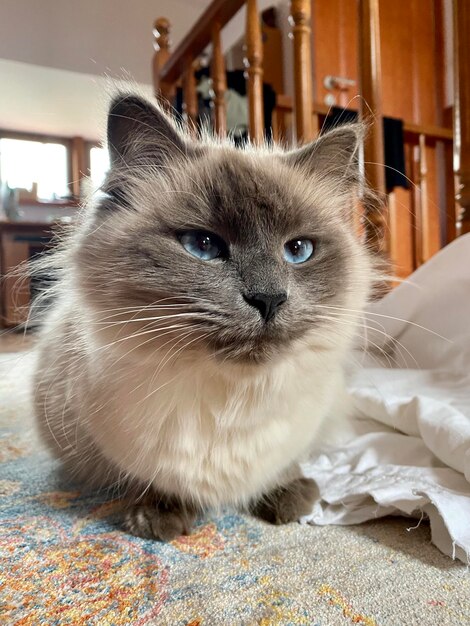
x=20, y=242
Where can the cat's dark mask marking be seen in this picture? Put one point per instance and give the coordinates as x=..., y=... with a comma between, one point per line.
x=162, y=183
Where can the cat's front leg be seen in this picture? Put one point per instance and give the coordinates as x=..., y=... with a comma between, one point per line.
x=160, y=518
x=288, y=502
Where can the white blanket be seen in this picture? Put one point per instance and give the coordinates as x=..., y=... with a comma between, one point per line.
x=412, y=450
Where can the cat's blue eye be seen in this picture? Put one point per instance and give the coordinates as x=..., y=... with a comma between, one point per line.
x=203, y=245
x=298, y=250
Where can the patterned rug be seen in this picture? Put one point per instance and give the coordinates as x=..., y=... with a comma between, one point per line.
x=65, y=559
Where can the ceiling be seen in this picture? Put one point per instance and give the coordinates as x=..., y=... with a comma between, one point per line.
x=90, y=36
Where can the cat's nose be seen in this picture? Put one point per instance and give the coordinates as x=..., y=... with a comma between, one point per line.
x=266, y=303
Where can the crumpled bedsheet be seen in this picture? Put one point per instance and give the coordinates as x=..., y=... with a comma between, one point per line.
x=411, y=398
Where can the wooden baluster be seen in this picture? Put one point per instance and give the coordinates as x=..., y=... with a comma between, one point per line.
x=190, y=99
x=425, y=226
x=79, y=165
x=462, y=111
x=164, y=92
x=300, y=12
x=254, y=71
x=219, y=81
x=371, y=113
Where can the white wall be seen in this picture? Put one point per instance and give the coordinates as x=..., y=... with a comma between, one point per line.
x=58, y=102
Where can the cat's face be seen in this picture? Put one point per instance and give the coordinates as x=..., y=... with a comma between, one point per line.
x=208, y=248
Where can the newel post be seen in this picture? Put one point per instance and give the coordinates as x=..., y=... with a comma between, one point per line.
x=161, y=31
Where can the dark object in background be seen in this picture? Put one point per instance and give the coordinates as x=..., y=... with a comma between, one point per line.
x=236, y=82
x=394, y=145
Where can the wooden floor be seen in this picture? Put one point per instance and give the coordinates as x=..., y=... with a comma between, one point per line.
x=15, y=341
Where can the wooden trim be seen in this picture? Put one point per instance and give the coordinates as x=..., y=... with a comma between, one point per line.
x=219, y=81
x=285, y=104
x=78, y=165
x=15, y=288
x=254, y=72
x=461, y=12
x=300, y=15
x=67, y=142
x=437, y=132
x=199, y=37
x=423, y=204
x=377, y=235
x=26, y=136
x=371, y=92
x=450, y=227
x=190, y=106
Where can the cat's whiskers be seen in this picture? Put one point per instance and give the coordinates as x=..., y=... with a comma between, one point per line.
x=103, y=405
x=382, y=315
x=165, y=359
x=151, y=322
x=143, y=319
x=169, y=356
x=142, y=309
x=380, y=349
x=336, y=318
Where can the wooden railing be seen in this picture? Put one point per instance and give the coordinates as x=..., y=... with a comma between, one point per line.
x=177, y=67
x=417, y=138
x=170, y=68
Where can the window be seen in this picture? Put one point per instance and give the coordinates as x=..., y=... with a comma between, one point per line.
x=99, y=165
x=23, y=163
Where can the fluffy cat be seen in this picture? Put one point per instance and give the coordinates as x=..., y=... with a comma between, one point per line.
x=194, y=353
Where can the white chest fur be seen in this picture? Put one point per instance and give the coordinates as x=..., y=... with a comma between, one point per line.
x=217, y=434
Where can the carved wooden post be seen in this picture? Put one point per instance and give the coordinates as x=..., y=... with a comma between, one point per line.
x=161, y=31
x=219, y=81
x=462, y=111
x=422, y=218
x=190, y=98
x=254, y=71
x=300, y=11
x=79, y=165
x=371, y=113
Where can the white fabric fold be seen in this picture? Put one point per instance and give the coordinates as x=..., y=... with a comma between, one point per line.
x=411, y=453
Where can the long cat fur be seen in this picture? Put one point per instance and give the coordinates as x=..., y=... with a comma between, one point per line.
x=210, y=407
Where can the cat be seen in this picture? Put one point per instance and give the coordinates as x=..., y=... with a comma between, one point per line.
x=205, y=305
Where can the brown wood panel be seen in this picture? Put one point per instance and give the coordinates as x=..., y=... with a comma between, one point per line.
x=423, y=54
x=15, y=283
x=272, y=50
x=401, y=227
x=334, y=27
x=396, y=38
x=411, y=46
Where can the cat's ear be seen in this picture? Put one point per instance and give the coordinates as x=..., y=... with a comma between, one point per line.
x=333, y=154
x=139, y=130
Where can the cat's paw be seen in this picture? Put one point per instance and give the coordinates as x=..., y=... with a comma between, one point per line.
x=153, y=522
x=287, y=503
